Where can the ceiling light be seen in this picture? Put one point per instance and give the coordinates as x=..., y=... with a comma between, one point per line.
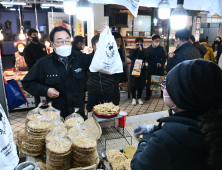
x=83, y=10
x=70, y=7
x=21, y=35
x=13, y=3
x=51, y=5
x=179, y=16
x=155, y=21
x=1, y=35
x=12, y=9
x=164, y=10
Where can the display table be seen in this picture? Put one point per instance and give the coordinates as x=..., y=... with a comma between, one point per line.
x=114, y=132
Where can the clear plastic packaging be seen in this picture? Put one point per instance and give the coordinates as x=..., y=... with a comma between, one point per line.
x=58, y=121
x=71, y=120
x=58, y=131
x=50, y=113
x=34, y=113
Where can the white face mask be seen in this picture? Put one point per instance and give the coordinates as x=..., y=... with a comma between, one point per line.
x=177, y=43
x=47, y=44
x=156, y=44
x=21, y=50
x=118, y=47
x=83, y=46
x=64, y=51
x=164, y=98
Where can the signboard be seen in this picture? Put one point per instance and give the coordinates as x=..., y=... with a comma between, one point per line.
x=56, y=19
x=197, y=28
x=80, y=28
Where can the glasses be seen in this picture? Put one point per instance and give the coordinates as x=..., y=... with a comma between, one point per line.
x=163, y=85
x=67, y=42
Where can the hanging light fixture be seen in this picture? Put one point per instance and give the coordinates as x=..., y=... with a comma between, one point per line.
x=83, y=10
x=155, y=21
x=1, y=35
x=21, y=35
x=70, y=6
x=179, y=16
x=37, y=27
x=164, y=10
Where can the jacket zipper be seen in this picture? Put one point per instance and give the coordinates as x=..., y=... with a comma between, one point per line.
x=101, y=84
x=64, y=64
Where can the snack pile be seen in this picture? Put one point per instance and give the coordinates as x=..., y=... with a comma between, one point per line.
x=106, y=109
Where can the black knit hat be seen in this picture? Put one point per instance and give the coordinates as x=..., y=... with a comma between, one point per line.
x=195, y=85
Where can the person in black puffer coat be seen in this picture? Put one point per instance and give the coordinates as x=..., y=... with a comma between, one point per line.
x=191, y=138
x=100, y=86
x=185, y=50
x=137, y=83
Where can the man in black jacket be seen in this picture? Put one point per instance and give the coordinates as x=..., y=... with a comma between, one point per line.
x=79, y=43
x=156, y=61
x=60, y=75
x=202, y=49
x=185, y=50
x=100, y=86
x=35, y=50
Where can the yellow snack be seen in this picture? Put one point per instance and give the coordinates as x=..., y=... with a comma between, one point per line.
x=129, y=151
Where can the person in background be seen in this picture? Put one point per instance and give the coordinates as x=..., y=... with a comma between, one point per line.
x=60, y=75
x=121, y=77
x=210, y=54
x=100, y=86
x=48, y=47
x=35, y=50
x=79, y=43
x=217, y=48
x=202, y=49
x=137, y=83
x=156, y=61
x=185, y=50
x=18, y=60
x=190, y=139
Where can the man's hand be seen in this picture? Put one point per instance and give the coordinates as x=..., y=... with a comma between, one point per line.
x=142, y=129
x=52, y=93
x=103, y=27
x=159, y=65
x=171, y=55
x=125, y=84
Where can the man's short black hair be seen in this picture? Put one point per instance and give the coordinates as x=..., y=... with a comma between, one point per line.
x=192, y=38
x=78, y=39
x=30, y=31
x=57, y=29
x=202, y=40
x=139, y=39
x=95, y=39
x=155, y=37
x=19, y=44
x=117, y=35
x=183, y=34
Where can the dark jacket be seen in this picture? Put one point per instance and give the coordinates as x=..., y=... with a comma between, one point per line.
x=154, y=58
x=177, y=145
x=137, y=82
x=50, y=72
x=122, y=77
x=219, y=51
x=185, y=52
x=75, y=48
x=202, y=49
x=100, y=83
x=33, y=52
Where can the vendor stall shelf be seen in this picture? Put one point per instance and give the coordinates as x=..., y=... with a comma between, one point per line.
x=114, y=132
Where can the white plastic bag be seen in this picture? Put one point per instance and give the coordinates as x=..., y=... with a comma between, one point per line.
x=106, y=59
x=8, y=153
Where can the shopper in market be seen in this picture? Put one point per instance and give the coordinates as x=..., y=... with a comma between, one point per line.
x=60, y=75
x=34, y=50
x=191, y=138
x=202, y=49
x=121, y=77
x=185, y=50
x=100, y=86
x=210, y=54
x=18, y=60
x=156, y=61
x=217, y=48
x=79, y=43
x=137, y=83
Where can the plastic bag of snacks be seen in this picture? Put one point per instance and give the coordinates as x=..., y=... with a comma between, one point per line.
x=57, y=131
x=34, y=113
x=75, y=130
x=84, y=150
x=58, y=121
x=58, y=154
x=71, y=120
x=50, y=113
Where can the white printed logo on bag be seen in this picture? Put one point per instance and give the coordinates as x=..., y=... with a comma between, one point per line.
x=110, y=54
x=2, y=129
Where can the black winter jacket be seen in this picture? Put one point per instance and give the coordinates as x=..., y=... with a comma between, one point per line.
x=177, y=145
x=153, y=60
x=185, y=52
x=50, y=72
x=202, y=49
x=100, y=83
x=33, y=52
